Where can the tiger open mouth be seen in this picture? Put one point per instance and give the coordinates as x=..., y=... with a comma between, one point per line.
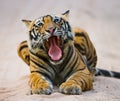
x=53, y=45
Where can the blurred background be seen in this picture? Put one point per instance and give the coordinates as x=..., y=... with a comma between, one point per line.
x=100, y=18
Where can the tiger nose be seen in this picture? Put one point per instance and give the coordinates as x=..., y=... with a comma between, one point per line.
x=51, y=30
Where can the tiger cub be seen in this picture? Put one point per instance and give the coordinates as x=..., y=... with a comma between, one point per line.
x=58, y=55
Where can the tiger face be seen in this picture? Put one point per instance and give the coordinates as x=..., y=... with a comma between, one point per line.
x=50, y=33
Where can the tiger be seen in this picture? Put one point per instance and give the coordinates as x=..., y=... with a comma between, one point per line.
x=60, y=55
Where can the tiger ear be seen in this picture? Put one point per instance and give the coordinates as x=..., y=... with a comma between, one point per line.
x=27, y=22
x=66, y=14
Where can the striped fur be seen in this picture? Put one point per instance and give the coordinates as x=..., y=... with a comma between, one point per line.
x=107, y=73
x=58, y=55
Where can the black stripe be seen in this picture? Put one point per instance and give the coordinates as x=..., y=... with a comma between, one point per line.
x=40, y=57
x=23, y=42
x=65, y=25
x=116, y=74
x=69, y=54
x=27, y=57
x=72, y=67
x=83, y=59
x=103, y=72
x=79, y=48
x=82, y=68
x=68, y=26
x=90, y=62
x=35, y=34
x=89, y=57
x=44, y=74
x=83, y=82
x=41, y=66
x=78, y=34
x=44, y=59
x=24, y=46
x=84, y=72
x=107, y=73
x=94, y=51
x=82, y=35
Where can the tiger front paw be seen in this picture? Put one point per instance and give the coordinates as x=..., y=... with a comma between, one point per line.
x=70, y=88
x=40, y=85
x=41, y=88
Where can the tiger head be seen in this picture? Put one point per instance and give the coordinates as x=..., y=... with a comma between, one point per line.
x=50, y=33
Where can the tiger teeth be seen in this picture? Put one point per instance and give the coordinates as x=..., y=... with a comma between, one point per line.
x=59, y=38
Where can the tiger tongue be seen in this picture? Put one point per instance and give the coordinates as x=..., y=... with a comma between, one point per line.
x=54, y=51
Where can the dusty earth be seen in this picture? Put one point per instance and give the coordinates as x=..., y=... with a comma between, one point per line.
x=100, y=18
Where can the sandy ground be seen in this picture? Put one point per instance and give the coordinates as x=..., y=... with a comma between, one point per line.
x=100, y=18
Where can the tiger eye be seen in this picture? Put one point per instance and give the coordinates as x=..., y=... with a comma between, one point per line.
x=56, y=20
x=40, y=24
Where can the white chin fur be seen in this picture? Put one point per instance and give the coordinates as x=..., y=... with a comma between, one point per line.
x=56, y=62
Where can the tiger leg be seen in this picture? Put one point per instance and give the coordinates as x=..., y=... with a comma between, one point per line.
x=85, y=46
x=23, y=52
x=77, y=82
x=40, y=84
x=42, y=75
